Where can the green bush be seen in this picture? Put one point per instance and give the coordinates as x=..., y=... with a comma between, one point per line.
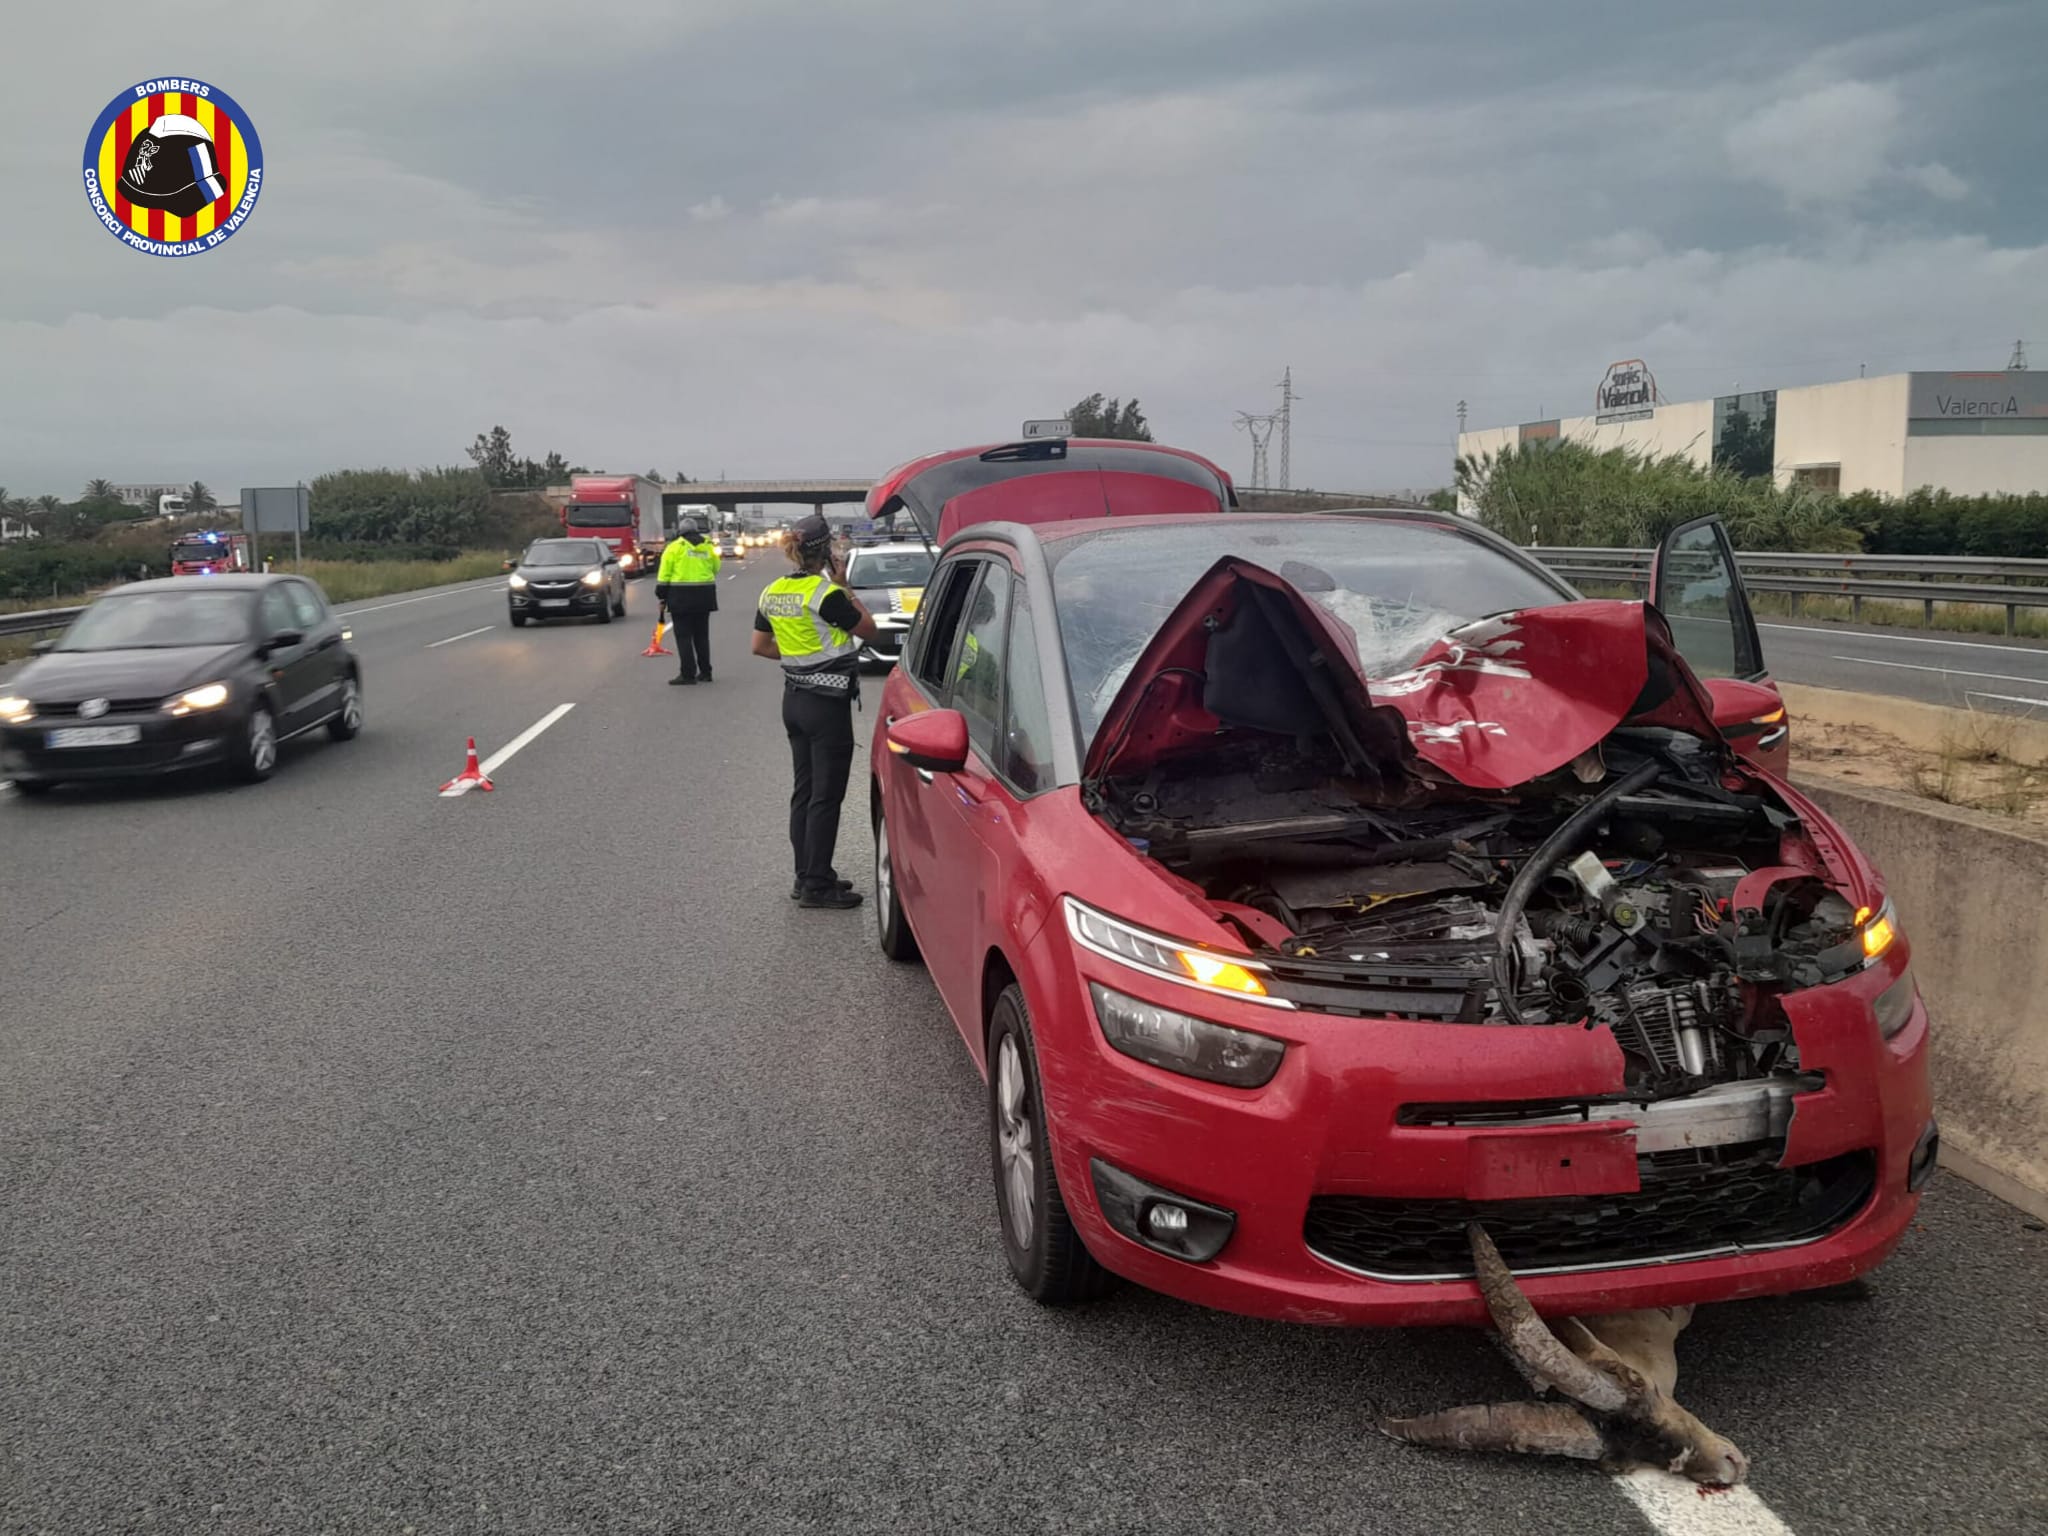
x=437, y=508
x=1566, y=493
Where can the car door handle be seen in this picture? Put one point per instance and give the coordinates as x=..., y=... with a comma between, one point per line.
x=331, y=640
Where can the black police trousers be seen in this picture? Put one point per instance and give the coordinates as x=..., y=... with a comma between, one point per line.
x=693, y=639
x=820, y=728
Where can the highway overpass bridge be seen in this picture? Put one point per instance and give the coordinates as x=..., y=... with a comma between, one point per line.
x=728, y=495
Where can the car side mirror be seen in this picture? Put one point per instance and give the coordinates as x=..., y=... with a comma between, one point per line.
x=42, y=647
x=1738, y=703
x=284, y=640
x=511, y=565
x=934, y=740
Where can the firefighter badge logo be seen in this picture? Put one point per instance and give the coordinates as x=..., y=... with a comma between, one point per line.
x=173, y=167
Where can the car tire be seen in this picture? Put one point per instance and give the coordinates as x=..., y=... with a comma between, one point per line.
x=1045, y=1252
x=892, y=931
x=519, y=621
x=255, y=756
x=604, y=610
x=30, y=788
x=347, y=722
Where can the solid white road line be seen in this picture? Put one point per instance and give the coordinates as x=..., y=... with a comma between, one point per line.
x=1914, y=666
x=1676, y=1506
x=436, y=644
x=2009, y=698
x=1862, y=634
x=481, y=585
x=504, y=754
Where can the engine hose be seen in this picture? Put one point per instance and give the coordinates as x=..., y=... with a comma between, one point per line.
x=1540, y=863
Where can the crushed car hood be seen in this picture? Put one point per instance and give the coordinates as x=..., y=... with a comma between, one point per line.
x=1494, y=703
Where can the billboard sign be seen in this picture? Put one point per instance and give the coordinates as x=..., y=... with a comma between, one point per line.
x=1627, y=393
x=274, y=509
x=1976, y=396
x=1539, y=431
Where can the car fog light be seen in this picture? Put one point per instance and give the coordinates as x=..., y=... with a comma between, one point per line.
x=1167, y=1221
x=1158, y=1218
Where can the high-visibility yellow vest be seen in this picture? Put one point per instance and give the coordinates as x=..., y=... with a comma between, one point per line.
x=684, y=564
x=808, y=644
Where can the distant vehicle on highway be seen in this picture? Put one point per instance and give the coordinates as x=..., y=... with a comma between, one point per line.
x=732, y=545
x=889, y=581
x=566, y=579
x=210, y=554
x=1307, y=888
x=161, y=676
x=622, y=510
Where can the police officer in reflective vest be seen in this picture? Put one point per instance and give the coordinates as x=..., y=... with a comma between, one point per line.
x=815, y=627
x=688, y=586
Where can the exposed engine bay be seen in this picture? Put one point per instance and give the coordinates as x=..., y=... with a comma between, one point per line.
x=1649, y=887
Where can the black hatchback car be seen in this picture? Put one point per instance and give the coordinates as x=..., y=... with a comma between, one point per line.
x=566, y=578
x=159, y=676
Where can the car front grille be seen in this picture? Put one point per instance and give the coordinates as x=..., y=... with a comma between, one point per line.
x=114, y=707
x=1691, y=1204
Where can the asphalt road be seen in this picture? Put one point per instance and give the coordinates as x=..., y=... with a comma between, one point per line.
x=1962, y=671
x=373, y=1161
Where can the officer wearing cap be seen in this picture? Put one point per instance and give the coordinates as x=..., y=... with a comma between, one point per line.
x=811, y=624
x=687, y=585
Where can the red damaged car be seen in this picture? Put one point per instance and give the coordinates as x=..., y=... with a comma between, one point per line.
x=1308, y=886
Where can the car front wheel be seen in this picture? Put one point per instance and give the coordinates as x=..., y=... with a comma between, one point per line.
x=256, y=754
x=892, y=933
x=33, y=787
x=1046, y=1254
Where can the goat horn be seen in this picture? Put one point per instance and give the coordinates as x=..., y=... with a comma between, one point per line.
x=1530, y=1341
x=1528, y=1429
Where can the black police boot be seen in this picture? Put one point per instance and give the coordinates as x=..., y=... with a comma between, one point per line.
x=834, y=898
x=796, y=890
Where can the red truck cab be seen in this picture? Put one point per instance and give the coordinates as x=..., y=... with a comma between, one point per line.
x=210, y=554
x=622, y=510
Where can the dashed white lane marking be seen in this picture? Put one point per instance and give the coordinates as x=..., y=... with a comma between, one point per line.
x=1914, y=666
x=1858, y=634
x=436, y=644
x=1677, y=1507
x=488, y=581
x=504, y=754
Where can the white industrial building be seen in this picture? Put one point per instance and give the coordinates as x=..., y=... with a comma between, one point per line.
x=1969, y=433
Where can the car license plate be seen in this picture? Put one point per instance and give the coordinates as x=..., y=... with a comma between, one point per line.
x=554, y=602
x=95, y=736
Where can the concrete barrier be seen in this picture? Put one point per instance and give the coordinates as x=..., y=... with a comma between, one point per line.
x=1971, y=891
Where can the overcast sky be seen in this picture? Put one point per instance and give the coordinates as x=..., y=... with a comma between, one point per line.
x=790, y=237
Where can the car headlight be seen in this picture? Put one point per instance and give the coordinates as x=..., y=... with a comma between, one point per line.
x=626, y=560
x=517, y=582
x=1177, y=1042
x=15, y=710
x=208, y=696
x=593, y=578
x=1188, y=964
x=1894, y=1005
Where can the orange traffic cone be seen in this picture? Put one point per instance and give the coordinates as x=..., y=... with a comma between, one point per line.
x=472, y=775
x=654, y=646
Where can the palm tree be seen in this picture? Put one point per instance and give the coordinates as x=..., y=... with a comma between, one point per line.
x=198, y=498
x=49, y=503
x=100, y=490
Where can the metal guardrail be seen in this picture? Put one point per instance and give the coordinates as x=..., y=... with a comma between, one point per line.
x=37, y=620
x=2008, y=584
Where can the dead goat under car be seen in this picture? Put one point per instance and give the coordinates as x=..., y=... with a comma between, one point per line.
x=1618, y=1370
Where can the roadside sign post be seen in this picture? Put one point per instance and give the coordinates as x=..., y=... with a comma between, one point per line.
x=275, y=509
